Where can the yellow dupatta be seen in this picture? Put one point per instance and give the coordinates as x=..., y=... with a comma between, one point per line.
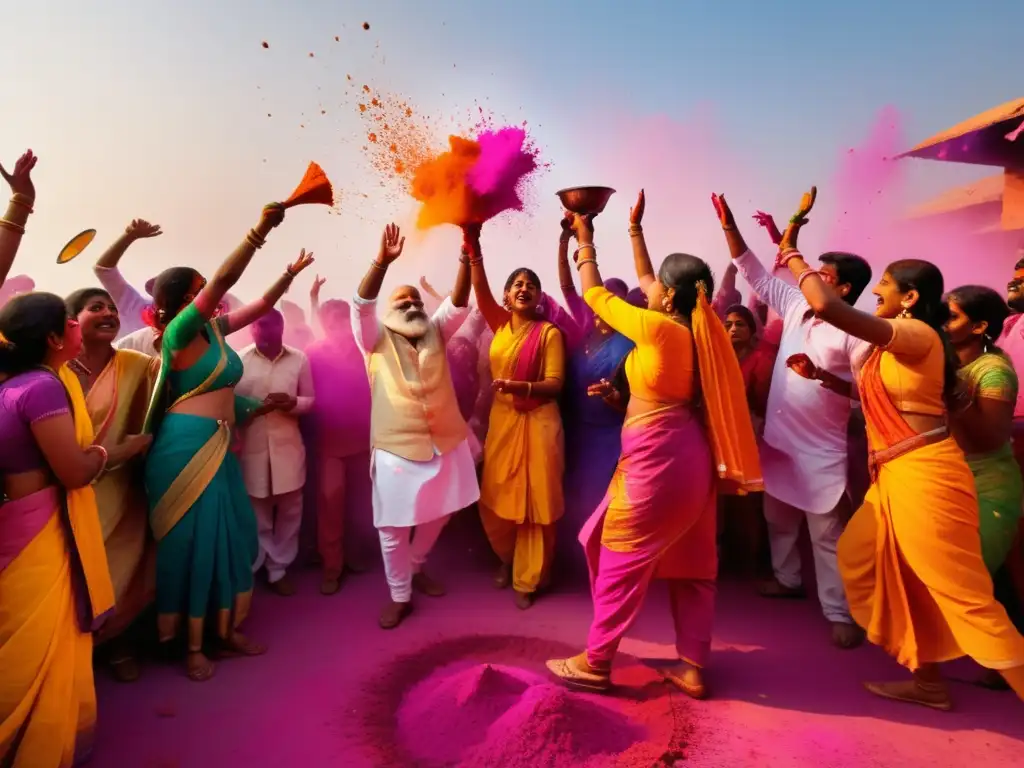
x=83, y=512
x=727, y=411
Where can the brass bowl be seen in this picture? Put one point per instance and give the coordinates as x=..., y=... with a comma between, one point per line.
x=585, y=200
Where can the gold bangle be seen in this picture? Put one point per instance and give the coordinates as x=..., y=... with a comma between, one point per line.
x=581, y=262
x=476, y=262
x=374, y=264
x=635, y=229
x=22, y=200
x=13, y=227
x=289, y=274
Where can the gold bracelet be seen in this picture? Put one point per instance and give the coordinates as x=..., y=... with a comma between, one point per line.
x=12, y=226
x=253, y=239
x=289, y=274
x=476, y=262
x=635, y=229
x=581, y=262
x=22, y=200
x=374, y=264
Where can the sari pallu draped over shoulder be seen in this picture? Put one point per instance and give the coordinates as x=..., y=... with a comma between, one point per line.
x=913, y=572
x=55, y=589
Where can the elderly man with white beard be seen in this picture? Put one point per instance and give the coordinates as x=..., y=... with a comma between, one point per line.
x=421, y=464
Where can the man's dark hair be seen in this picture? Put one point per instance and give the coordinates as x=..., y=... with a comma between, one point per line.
x=1018, y=265
x=851, y=270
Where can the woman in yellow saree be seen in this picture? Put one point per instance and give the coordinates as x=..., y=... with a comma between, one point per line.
x=521, y=487
x=55, y=585
x=911, y=556
x=117, y=384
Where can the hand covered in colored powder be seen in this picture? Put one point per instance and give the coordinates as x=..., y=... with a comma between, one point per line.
x=318, y=283
x=391, y=244
x=768, y=222
x=801, y=365
x=636, y=213
x=725, y=217
x=806, y=204
x=304, y=260
x=21, y=180
x=140, y=229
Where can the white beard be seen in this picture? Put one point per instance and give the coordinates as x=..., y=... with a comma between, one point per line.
x=412, y=328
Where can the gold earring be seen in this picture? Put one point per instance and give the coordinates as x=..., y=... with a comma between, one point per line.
x=904, y=314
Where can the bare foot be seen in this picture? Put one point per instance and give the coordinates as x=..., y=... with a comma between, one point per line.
x=687, y=678
x=524, y=600
x=238, y=644
x=846, y=636
x=394, y=614
x=330, y=584
x=200, y=668
x=425, y=585
x=773, y=589
x=934, y=695
x=283, y=586
x=503, y=577
x=125, y=669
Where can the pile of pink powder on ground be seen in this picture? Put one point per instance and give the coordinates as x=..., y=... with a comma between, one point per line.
x=480, y=702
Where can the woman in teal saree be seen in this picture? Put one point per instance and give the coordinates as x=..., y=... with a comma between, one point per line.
x=200, y=512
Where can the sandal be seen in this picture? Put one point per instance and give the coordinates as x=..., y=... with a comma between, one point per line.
x=201, y=671
x=237, y=645
x=573, y=675
x=773, y=589
x=698, y=691
x=125, y=669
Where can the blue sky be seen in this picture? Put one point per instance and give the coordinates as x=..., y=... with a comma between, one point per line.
x=159, y=110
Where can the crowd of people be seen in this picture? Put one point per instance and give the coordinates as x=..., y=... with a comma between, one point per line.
x=155, y=447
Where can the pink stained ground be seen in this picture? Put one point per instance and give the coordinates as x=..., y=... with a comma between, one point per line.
x=784, y=698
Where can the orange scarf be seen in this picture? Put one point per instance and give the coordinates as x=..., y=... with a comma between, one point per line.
x=725, y=401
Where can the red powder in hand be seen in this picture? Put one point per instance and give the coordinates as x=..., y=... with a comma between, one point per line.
x=366, y=25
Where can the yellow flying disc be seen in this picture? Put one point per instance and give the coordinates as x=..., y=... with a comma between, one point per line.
x=75, y=246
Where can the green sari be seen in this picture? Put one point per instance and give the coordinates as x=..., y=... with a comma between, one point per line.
x=996, y=475
x=199, y=510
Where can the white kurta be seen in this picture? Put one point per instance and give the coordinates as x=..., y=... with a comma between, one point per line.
x=273, y=456
x=803, y=458
x=409, y=493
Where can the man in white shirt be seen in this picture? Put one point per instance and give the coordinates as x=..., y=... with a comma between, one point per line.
x=804, y=451
x=273, y=456
x=421, y=464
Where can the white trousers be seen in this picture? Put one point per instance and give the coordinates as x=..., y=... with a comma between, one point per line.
x=405, y=552
x=784, y=533
x=278, y=533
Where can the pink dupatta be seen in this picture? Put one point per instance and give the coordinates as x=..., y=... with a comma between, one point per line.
x=527, y=366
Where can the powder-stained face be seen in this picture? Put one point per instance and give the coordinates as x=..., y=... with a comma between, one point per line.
x=99, y=320
x=1015, y=291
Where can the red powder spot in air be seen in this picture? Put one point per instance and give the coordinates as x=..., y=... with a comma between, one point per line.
x=301, y=125
x=408, y=111
x=385, y=126
x=366, y=25
x=362, y=107
x=323, y=111
x=268, y=114
x=393, y=148
x=399, y=167
x=348, y=77
x=375, y=101
x=265, y=44
x=311, y=54
x=337, y=39
x=366, y=89
x=372, y=137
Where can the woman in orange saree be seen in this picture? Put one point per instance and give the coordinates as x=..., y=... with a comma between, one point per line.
x=55, y=585
x=521, y=486
x=914, y=573
x=117, y=384
x=687, y=425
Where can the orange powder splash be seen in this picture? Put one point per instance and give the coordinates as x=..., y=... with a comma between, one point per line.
x=440, y=184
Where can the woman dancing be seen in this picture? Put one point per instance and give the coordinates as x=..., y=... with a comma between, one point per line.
x=117, y=384
x=200, y=512
x=914, y=573
x=687, y=425
x=55, y=586
x=521, y=487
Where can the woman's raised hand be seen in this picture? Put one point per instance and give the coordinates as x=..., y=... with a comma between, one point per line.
x=725, y=217
x=767, y=221
x=636, y=213
x=304, y=260
x=21, y=180
x=318, y=283
x=140, y=229
x=567, y=221
x=273, y=215
x=582, y=226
